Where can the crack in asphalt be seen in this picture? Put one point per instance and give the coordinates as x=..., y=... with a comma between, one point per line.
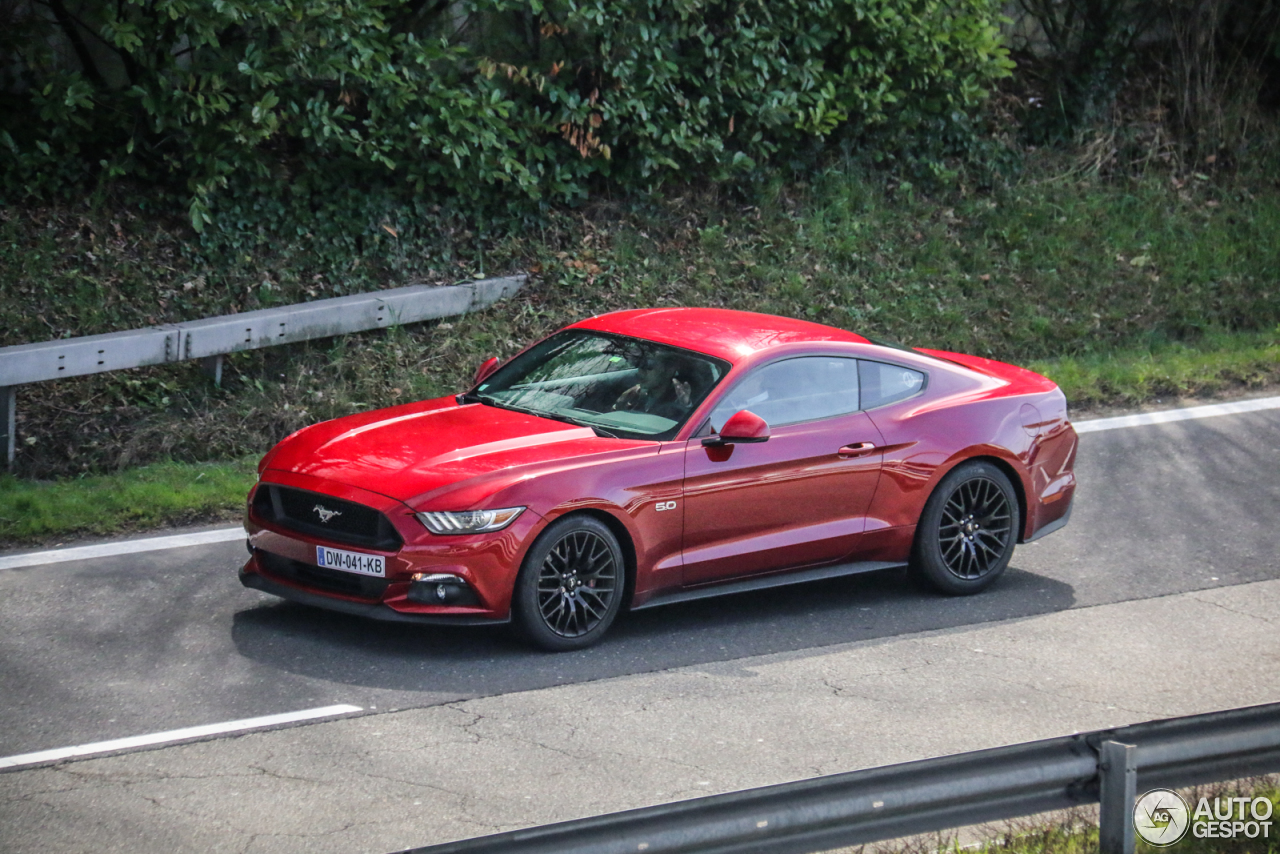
x=514, y=736
x=1233, y=610
x=1063, y=695
x=208, y=814
x=467, y=727
x=845, y=690
x=585, y=754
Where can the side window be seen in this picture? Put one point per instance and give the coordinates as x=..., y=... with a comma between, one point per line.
x=794, y=390
x=882, y=383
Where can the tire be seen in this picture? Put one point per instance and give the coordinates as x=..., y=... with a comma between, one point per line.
x=968, y=529
x=571, y=585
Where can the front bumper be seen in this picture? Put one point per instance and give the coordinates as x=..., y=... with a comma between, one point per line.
x=253, y=579
x=478, y=570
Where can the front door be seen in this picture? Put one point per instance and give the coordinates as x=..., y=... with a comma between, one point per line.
x=798, y=499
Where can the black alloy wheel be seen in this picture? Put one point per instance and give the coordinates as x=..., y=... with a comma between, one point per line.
x=570, y=588
x=968, y=529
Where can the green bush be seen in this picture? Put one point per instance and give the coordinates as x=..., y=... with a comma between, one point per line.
x=261, y=108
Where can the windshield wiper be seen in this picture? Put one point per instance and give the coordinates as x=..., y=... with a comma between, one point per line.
x=599, y=431
x=473, y=397
x=489, y=400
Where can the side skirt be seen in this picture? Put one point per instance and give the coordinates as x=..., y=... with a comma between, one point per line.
x=764, y=582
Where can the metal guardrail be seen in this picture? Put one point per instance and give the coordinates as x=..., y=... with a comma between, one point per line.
x=214, y=337
x=855, y=808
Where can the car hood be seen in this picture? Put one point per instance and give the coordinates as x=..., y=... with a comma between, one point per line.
x=408, y=452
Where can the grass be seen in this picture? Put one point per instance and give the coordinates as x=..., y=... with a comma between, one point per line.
x=1121, y=290
x=139, y=498
x=1219, y=363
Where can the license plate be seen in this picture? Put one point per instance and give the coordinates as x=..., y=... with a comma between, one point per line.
x=351, y=561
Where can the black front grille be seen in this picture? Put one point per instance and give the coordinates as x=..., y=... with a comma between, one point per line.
x=305, y=512
x=320, y=578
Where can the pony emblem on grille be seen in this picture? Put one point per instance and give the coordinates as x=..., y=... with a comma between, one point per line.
x=325, y=513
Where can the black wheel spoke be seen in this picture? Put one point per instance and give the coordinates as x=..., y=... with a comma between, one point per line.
x=988, y=535
x=979, y=543
x=975, y=531
x=576, y=583
x=590, y=611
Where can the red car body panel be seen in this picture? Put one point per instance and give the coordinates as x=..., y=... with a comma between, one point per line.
x=410, y=452
x=758, y=507
x=844, y=489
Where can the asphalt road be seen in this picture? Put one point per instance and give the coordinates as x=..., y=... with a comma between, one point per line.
x=129, y=645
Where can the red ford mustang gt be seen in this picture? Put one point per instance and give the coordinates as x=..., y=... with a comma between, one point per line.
x=660, y=455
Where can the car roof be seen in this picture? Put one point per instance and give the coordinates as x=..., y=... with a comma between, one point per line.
x=731, y=335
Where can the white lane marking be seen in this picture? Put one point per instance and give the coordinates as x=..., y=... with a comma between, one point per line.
x=1211, y=410
x=125, y=547
x=173, y=735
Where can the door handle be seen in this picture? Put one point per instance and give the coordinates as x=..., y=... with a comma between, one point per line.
x=857, y=449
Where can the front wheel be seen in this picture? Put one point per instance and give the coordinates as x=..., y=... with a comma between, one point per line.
x=967, y=532
x=570, y=587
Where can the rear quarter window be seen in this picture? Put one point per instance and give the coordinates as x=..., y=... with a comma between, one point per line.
x=883, y=383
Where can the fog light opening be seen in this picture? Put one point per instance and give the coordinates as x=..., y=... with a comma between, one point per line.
x=438, y=588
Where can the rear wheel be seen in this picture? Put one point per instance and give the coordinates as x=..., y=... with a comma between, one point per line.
x=967, y=532
x=570, y=588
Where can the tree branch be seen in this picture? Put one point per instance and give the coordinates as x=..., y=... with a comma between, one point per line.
x=70, y=29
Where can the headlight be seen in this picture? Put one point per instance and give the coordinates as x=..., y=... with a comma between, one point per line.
x=469, y=521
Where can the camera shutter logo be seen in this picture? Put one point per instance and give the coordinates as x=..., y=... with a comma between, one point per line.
x=1161, y=817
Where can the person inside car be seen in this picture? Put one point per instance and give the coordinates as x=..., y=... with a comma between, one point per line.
x=661, y=389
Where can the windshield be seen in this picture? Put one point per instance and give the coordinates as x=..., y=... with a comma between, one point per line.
x=624, y=387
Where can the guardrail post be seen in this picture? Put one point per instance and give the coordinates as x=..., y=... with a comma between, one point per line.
x=1117, y=767
x=9, y=422
x=211, y=366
